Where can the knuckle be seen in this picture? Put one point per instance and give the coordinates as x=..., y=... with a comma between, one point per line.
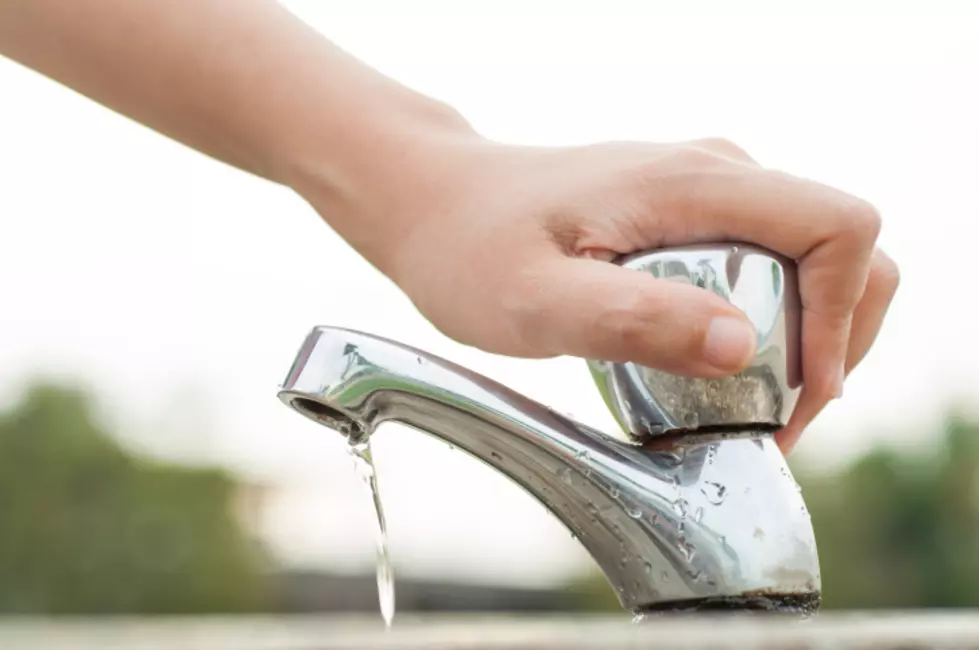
x=629, y=323
x=862, y=219
x=824, y=393
x=698, y=156
x=723, y=146
x=687, y=157
x=886, y=274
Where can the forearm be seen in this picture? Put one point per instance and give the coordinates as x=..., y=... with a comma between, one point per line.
x=243, y=81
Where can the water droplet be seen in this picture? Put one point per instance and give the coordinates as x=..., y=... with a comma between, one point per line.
x=564, y=474
x=622, y=562
x=495, y=456
x=614, y=492
x=654, y=518
x=715, y=492
x=360, y=451
x=687, y=550
x=691, y=420
x=681, y=507
x=696, y=576
x=634, y=512
x=711, y=453
x=648, y=567
x=638, y=618
x=698, y=514
x=665, y=577
x=420, y=360
x=582, y=455
x=452, y=447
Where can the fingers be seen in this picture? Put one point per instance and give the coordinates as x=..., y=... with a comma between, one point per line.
x=868, y=317
x=597, y=310
x=831, y=234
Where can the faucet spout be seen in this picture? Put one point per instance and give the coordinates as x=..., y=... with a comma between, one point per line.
x=696, y=519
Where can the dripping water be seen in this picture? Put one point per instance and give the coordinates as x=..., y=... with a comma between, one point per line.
x=360, y=451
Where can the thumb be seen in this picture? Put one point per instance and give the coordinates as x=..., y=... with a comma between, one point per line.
x=598, y=310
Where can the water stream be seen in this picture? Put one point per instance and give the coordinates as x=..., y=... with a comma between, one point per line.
x=360, y=451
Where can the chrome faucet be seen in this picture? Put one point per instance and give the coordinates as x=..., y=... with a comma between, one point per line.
x=693, y=508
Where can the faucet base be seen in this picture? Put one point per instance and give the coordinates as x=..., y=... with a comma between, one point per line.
x=802, y=605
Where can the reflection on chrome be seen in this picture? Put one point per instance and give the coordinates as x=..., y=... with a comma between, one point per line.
x=681, y=512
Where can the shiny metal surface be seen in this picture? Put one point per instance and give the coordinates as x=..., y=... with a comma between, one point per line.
x=648, y=402
x=679, y=519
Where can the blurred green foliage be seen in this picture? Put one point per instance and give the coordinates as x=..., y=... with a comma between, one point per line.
x=901, y=530
x=86, y=527
x=896, y=529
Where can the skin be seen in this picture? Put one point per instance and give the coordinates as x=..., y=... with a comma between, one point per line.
x=504, y=248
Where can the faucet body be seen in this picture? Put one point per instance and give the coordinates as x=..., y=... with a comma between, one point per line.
x=675, y=516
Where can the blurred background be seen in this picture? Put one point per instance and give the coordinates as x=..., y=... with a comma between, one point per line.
x=151, y=300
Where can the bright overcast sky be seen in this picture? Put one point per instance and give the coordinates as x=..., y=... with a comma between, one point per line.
x=158, y=275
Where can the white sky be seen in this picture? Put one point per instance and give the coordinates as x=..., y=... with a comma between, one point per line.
x=157, y=274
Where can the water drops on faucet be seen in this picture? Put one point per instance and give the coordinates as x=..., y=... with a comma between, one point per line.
x=564, y=473
x=687, y=550
x=714, y=492
x=681, y=507
x=675, y=479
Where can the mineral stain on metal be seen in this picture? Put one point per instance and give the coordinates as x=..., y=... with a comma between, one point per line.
x=802, y=606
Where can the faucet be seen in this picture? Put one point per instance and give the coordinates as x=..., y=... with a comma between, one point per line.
x=692, y=507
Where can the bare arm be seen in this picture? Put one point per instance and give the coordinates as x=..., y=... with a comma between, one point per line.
x=501, y=247
x=243, y=81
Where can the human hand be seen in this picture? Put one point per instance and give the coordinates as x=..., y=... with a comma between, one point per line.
x=508, y=251
x=503, y=248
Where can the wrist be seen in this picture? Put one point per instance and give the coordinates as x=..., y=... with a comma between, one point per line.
x=376, y=174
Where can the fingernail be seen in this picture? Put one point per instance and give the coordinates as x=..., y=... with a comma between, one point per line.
x=729, y=344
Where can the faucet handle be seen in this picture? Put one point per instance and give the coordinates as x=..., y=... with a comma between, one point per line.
x=647, y=402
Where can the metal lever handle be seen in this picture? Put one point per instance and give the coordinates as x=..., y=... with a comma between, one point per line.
x=764, y=285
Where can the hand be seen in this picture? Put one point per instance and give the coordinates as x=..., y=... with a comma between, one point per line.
x=511, y=257
x=503, y=248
